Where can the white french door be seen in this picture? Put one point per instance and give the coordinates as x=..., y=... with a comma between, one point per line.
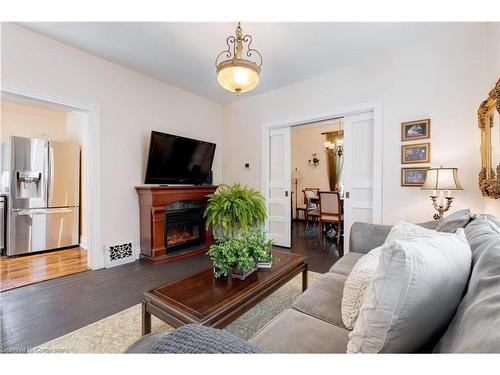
x=277, y=185
x=358, y=171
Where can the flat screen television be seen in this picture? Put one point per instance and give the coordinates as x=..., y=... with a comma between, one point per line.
x=178, y=160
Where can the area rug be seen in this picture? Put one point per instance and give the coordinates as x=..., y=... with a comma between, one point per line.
x=117, y=332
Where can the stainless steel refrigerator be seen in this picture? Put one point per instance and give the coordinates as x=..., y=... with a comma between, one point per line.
x=41, y=180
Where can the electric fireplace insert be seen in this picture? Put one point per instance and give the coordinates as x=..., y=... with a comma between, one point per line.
x=183, y=225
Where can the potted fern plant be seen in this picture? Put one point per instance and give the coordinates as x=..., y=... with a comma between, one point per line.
x=235, y=214
x=234, y=209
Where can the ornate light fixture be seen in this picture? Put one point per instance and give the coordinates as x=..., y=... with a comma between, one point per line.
x=314, y=161
x=334, y=142
x=235, y=73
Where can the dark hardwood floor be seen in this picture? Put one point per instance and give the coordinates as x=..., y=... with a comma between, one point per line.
x=33, y=314
x=321, y=255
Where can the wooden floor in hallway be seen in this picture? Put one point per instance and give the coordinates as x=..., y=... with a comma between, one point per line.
x=23, y=270
x=34, y=314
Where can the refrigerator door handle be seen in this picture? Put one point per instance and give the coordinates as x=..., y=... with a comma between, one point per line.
x=50, y=191
x=28, y=212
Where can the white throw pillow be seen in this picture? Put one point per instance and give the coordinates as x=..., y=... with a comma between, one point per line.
x=361, y=274
x=413, y=294
x=403, y=231
x=355, y=286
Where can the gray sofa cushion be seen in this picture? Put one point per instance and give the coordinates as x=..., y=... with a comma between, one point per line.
x=295, y=332
x=323, y=299
x=476, y=325
x=495, y=219
x=456, y=220
x=344, y=265
x=365, y=237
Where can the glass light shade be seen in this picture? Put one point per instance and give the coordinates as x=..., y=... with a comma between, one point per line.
x=442, y=179
x=238, y=78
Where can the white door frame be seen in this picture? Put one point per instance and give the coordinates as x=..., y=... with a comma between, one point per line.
x=376, y=106
x=95, y=254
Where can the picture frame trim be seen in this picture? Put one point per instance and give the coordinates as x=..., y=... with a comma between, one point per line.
x=428, y=153
x=427, y=122
x=405, y=169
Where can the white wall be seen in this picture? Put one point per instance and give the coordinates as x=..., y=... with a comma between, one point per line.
x=444, y=78
x=131, y=105
x=307, y=140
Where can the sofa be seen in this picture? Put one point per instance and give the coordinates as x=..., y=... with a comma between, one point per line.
x=314, y=323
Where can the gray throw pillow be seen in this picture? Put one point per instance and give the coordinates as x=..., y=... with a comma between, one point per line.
x=476, y=325
x=456, y=220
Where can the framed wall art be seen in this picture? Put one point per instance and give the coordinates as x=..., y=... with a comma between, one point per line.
x=413, y=130
x=413, y=176
x=416, y=153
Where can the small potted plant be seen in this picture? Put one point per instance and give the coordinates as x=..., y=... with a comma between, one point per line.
x=232, y=255
x=259, y=245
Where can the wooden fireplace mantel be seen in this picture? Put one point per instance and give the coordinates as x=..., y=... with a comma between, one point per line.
x=152, y=202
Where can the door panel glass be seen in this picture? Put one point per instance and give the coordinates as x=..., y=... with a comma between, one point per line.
x=277, y=193
x=276, y=209
x=276, y=227
x=361, y=194
x=276, y=165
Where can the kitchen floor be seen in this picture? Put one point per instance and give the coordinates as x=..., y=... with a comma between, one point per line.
x=29, y=269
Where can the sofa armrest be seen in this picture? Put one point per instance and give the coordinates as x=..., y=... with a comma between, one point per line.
x=365, y=237
x=193, y=338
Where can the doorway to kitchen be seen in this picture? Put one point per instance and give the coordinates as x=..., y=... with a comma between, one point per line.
x=48, y=229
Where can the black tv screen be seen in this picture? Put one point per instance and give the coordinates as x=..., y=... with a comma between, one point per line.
x=178, y=160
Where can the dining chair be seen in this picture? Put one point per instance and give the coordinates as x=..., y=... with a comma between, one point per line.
x=330, y=212
x=311, y=200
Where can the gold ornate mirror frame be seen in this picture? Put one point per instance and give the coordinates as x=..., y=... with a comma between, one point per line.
x=489, y=179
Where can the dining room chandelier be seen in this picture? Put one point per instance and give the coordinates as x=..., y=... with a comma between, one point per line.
x=236, y=69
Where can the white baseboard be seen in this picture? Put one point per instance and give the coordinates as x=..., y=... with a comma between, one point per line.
x=84, y=244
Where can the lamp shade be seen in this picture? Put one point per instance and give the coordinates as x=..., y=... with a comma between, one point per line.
x=296, y=174
x=442, y=179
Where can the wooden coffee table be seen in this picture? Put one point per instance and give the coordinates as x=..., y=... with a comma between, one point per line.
x=202, y=299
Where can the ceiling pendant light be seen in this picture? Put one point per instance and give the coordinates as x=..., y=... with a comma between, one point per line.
x=235, y=73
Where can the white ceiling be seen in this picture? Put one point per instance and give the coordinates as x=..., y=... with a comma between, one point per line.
x=182, y=54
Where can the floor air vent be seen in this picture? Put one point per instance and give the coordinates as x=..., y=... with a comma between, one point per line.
x=119, y=253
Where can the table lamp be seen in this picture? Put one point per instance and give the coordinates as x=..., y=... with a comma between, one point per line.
x=444, y=181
